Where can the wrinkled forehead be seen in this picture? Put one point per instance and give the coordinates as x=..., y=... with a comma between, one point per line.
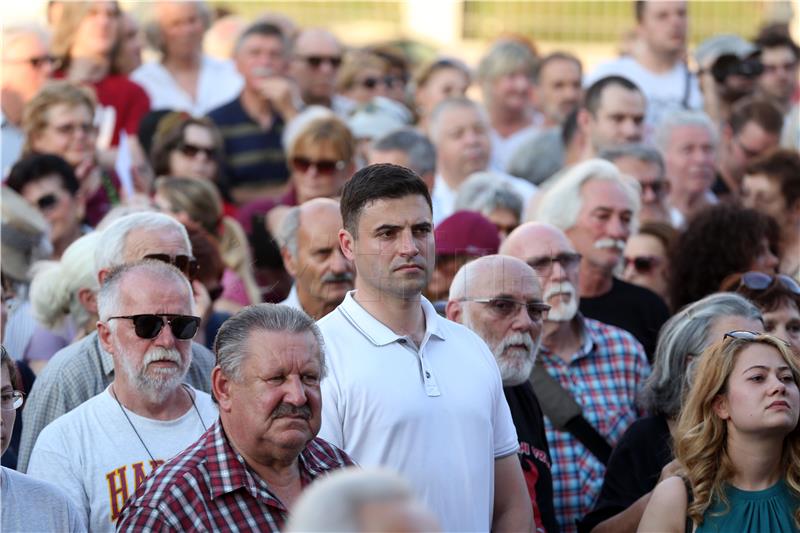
x=508, y=278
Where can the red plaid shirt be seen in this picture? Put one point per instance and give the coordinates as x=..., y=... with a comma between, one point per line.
x=208, y=487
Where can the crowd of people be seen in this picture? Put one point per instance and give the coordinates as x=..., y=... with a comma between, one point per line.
x=523, y=296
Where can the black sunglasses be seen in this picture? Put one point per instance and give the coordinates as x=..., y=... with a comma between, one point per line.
x=191, y=150
x=185, y=263
x=47, y=202
x=759, y=281
x=183, y=327
x=506, y=307
x=643, y=264
x=325, y=167
x=748, y=336
x=317, y=61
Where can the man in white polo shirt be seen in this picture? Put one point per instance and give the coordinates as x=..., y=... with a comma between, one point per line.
x=406, y=388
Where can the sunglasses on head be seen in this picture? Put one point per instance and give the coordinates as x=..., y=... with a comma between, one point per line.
x=759, y=281
x=191, y=150
x=185, y=263
x=47, y=202
x=506, y=307
x=643, y=264
x=183, y=327
x=326, y=167
x=748, y=336
x=317, y=61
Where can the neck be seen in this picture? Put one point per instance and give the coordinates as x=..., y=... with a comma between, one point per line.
x=508, y=121
x=61, y=244
x=182, y=62
x=404, y=316
x=316, y=308
x=88, y=69
x=173, y=406
x=757, y=460
x=731, y=176
x=12, y=105
x=257, y=107
x=656, y=62
x=452, y=179
x=688, y=203
x=594, y=280
x=562, y=338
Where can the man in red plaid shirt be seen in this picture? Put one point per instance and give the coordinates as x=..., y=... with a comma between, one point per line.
x=248, y=469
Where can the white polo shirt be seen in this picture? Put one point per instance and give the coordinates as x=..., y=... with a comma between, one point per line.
x=437, y=415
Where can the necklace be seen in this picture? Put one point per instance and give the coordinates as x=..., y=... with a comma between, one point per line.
x=125, y=414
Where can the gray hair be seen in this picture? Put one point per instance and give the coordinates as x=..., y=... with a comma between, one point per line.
x=434, y=122
x=152, y=28
x=334, y=503
x=682, y=336
x=110, y=250
x=55, y=285
x=505, y=57
x=663, y=135
x=486, y=191
x=419, y=149
x=13, y=33
x=108, y=296
x=539, y=157
x=638, y=151
x=562, y=203
x=231, y=342
x=287, y=233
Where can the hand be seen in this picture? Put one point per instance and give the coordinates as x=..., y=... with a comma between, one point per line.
x=282, y=93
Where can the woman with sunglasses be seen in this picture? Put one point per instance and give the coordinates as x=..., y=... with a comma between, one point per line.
x=646, y=260
x=778, y=297
x=738, y=441
x=362, y=77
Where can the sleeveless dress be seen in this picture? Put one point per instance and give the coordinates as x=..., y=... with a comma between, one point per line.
x=769, y=510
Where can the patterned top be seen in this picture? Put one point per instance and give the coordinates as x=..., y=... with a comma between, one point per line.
x=209, y=487
x=603, y=376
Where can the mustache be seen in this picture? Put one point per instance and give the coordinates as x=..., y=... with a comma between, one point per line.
x=616, y=244
x=287, y=409
x=516, y=339
x=157, y=353
x=565, y=287
x=332, y=277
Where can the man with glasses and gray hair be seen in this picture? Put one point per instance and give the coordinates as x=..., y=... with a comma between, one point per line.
x=251, y=466
x=499, y=298
x=84, y=369
x=103, y=449
x=316, y=56
x=645, y=164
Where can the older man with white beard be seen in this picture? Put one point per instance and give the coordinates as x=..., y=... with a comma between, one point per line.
x=601, y=366
x=499, y=298
x=597, y=208
x=99, y=452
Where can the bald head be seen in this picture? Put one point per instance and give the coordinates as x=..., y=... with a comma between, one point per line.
x=535, y=239
x=491, y=275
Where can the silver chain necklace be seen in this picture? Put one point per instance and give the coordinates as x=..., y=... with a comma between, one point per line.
x=191, y=398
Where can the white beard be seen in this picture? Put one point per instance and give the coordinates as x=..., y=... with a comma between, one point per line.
x=562, y=311
x=162, y=382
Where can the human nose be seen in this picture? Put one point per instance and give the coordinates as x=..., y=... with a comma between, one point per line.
x=339, y=263
x=618, y=229
x=165, y=338
x=648, y=194
x=522, y=319
x=294, y=391
x=408, y=245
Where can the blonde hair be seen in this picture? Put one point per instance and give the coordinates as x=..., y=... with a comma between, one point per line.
x=66, y=29
x=701, y=436
x=34, y=116
x=427, y=70
x=354, y=62
x=325, y=129
x=201, y=200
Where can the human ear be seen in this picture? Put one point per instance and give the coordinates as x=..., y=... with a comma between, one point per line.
x=720, y=406
x=347, y=244
x=220, y=387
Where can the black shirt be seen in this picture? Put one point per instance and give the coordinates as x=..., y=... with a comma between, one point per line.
x=633, y=308
x=633, y=468
x=534, y=455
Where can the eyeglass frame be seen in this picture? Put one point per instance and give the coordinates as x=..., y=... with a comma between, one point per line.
x=18, y=398
x=540, y=307
x=166, y=318
x=750, y=336
x=574, y=258
x=787, y=282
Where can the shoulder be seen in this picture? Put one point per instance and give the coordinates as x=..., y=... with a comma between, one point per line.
x=666, y=510
x=323, y=455
x=641, y=295
x=70, y=367
x=612, y=338
x=32, y=489
x=224, y=113
x=204, y=354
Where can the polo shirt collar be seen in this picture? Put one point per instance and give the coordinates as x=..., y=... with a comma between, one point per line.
x=379, y=333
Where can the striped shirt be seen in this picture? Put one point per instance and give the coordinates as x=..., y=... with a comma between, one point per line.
x=603, y=376
x=209, y=487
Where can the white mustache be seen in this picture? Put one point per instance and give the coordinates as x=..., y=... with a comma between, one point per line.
x=565, y=287
x=516, y=339
x=617, y=244
x=158, y=353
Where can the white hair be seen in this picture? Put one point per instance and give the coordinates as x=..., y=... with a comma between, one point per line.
x=55, y=285
x=663, y=135
x=300, y=122
x=110, y=250
x=333, y=503
x=561, y=203
x=435, y=120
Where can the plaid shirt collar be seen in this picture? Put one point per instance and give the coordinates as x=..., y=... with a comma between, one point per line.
x=589, y=343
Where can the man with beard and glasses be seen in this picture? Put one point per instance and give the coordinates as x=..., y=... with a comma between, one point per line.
x=84, y=369
x=499, y=298
x=311, y=254
x=598, y=209
x=99, y=452
x=250, y=467
x=600, y=366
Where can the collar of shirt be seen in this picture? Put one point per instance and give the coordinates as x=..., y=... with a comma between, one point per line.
x=588, y=344
x=379, y=333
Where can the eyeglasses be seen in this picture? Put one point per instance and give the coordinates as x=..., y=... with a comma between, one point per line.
x=325, y=167
x=47, y=202
x=70, y=129
x=643, y=264
x=191, y=150
x=749, y=336
x=316, y=61
x=371, y=82
x=506, y=307
x=185, y=263
x=183, y=327
x=11, y=401
x=544, y=265
x=758, y=281
x=36, y=62
x=658, y=187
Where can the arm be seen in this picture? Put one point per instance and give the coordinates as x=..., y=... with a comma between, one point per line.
x=627, y=520
x=512, y=505
x=666, y=510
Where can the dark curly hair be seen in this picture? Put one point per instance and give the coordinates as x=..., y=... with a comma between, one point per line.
x=719, y=241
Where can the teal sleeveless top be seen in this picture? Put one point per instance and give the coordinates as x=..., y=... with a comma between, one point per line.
x=770, y=510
